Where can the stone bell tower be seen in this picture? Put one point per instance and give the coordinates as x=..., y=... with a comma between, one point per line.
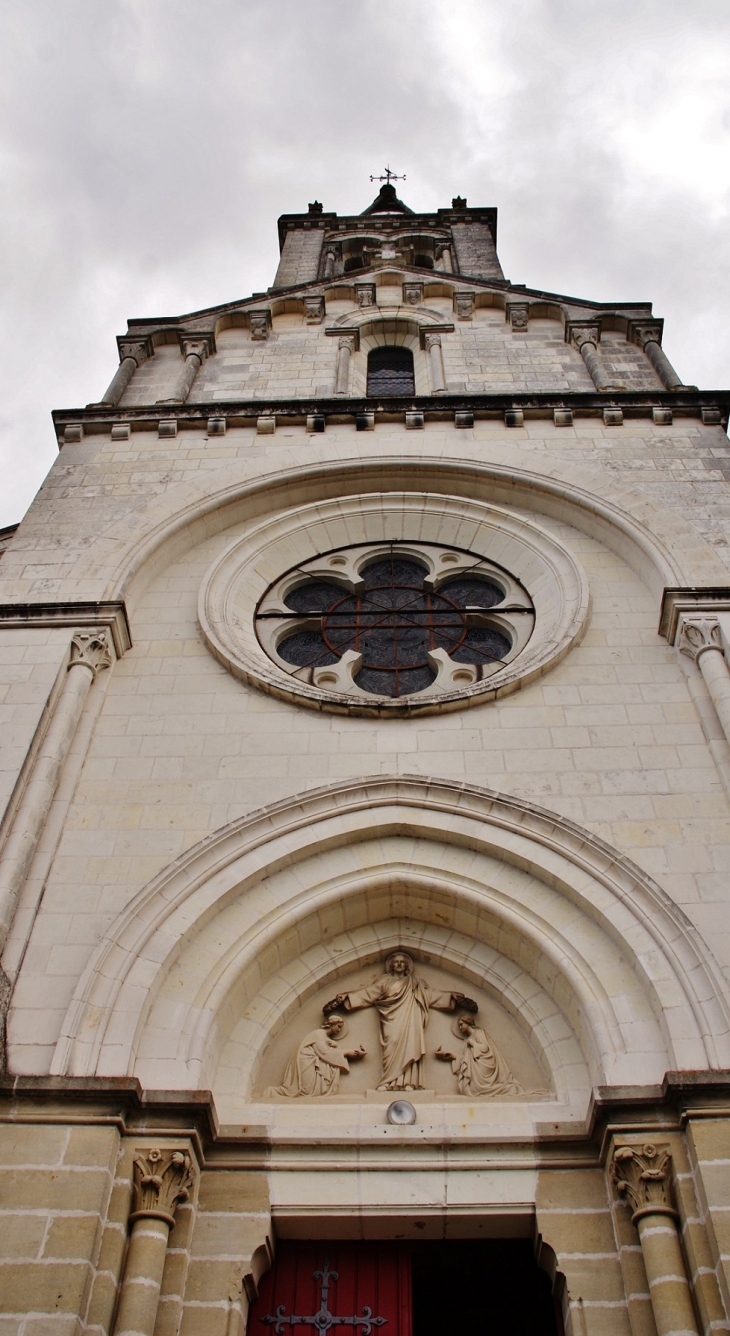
x=366, y=814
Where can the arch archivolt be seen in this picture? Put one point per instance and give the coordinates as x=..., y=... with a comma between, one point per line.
x=602, y=973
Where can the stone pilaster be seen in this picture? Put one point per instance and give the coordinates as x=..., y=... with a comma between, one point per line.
x=642, y=1177
x=700, y=639
x=194, y=351
x=163, y=1178
x=649, y=339
x=586, y=339
x=131, y=355
x=346, y=345
x=432, y=344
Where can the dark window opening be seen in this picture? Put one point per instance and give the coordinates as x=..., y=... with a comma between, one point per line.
x=390, y=371
x=393, y=622
x=424, y=261
x=353, y=262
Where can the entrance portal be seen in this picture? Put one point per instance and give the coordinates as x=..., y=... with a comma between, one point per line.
x=406, y=1289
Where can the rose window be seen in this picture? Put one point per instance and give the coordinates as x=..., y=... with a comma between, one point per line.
x=395, y=620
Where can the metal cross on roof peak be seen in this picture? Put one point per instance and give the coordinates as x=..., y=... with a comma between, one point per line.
x=323, y=1319
x=389, y=176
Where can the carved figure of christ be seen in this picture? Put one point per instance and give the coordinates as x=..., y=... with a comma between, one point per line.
x=403, y=1003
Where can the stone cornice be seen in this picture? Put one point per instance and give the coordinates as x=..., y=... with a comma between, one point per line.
x=652, y=1112
x=72, y=614
x=245, y=412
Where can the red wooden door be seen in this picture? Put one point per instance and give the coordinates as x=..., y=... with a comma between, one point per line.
x=340, y=1289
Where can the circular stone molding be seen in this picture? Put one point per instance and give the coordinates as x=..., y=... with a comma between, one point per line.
x=482, y=600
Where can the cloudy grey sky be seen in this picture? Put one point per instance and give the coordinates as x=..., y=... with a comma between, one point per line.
x=148, y=146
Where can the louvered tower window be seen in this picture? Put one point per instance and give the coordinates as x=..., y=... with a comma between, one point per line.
x=390, y=371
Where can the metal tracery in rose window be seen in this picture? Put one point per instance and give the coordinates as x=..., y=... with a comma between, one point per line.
x=393, y=621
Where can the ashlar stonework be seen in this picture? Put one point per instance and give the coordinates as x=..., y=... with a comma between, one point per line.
x=365, y=673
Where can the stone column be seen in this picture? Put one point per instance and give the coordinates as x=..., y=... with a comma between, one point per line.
x=649, y=338
x=432, y=344
x=194, y=351
x=90, y=653
x=162, y=1179
x=642, y=1177
x=132, y=355
x=700, y=638
x=345, y=347
x=329, y=264
x=586, y=339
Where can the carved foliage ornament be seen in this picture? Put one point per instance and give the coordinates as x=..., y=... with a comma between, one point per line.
x=92, y=650
x=137, y=351
x=642, y=1178
x=163, y=1178
x=697, y=635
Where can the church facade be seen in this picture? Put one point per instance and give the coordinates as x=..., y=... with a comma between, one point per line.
x=364, y=907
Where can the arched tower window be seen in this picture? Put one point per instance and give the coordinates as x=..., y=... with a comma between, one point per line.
x=390, y=371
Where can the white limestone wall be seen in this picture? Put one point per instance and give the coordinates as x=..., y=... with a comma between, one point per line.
x=481, y=355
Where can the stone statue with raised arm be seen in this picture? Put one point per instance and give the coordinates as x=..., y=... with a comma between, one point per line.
x=403, y=1003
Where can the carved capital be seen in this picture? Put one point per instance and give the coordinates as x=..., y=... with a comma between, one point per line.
x=163, y=1179
x=431, y=340
x=581, y=334
x=347, y=342
x=260, y=324
x=697, y=634
x=464, y=305
x=194, y=347
x=646, y=333
x=642, y=1175
x=365, y=294
x=92, y=650
x=518, y=314
x=138, y=351
x=412, y=294
x=314, y=310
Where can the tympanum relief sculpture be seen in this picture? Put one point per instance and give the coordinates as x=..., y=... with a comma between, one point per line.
x=403, y=1005
x=319, y=1062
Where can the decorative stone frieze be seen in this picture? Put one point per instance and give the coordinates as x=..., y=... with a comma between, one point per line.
x=518, y=315
x=365, y=294
x=92, y=650
x=464, y=305
x=412, y=294
x=260, y=324
x=163, y=1178
x=314, y=309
